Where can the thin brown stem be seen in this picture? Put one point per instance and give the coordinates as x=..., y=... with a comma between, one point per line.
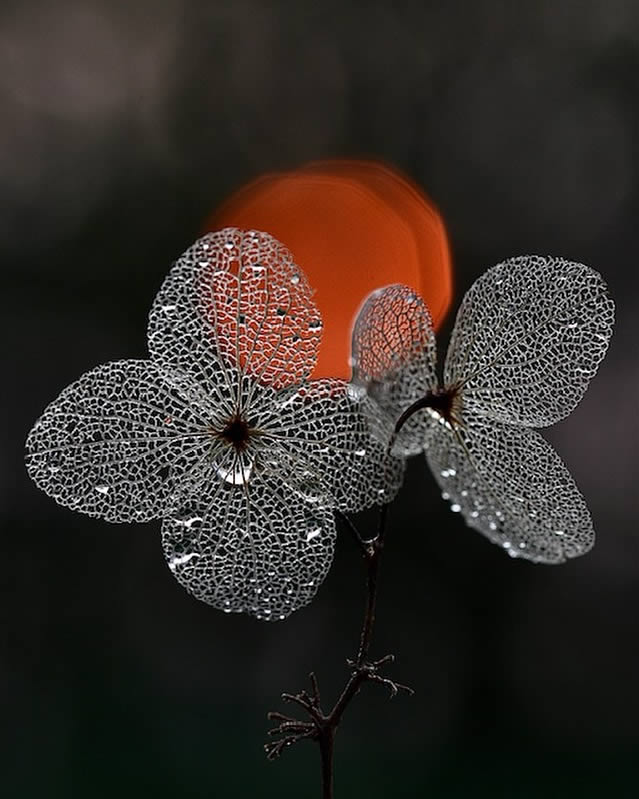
x=373, y=554
x=327, y=752
x=418, y=405
x=323, y=726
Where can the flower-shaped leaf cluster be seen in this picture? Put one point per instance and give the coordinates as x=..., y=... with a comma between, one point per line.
x=529, y=336
x=221, y=434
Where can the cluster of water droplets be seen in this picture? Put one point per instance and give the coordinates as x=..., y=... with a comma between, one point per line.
x=221, y=434
x=529, y=336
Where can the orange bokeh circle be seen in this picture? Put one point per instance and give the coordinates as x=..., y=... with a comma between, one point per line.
x=353, y=227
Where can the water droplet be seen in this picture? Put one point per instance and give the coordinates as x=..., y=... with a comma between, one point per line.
x=238, y=474
x=179, y=560
x=360, y=452
x=355, y=393
x=313, y=534
x=187, y=519
x=445, y=495
x=102, y=489
x=559, y=532
x=169, y=307
x=290, y=399
x=315, y=324
x=492, y=525
x=455, y=507
x=295, y=278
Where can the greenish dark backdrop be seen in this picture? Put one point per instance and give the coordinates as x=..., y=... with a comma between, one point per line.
x=122, y=124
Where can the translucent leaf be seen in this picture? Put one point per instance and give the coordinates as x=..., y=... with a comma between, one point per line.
x=119, y=441
x=394, y=358
x=253, y=548
x=338, y=440
x=510, y=484
x=237, y=297
x=529, y=336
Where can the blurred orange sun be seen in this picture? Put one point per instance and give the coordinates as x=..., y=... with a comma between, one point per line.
x=353, y=227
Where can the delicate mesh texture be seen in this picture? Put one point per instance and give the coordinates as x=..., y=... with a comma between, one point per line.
x=324, y=429
x=529, y=336
x=394, y=358
x=118, y=441
x=254, y=548
x=249, y=523
x=511, y=485
x=239, y=296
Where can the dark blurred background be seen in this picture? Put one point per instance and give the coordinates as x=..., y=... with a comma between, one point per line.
x=122, y=125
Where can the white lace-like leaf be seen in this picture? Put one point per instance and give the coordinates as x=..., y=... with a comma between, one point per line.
x=394, y=358
x=237, y=297
x=251, y=548
x=529, y=335
x=326, y=432
x=510, y=484
x=119, y=441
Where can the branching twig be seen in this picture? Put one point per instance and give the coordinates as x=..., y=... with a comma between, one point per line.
x=321, y=727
